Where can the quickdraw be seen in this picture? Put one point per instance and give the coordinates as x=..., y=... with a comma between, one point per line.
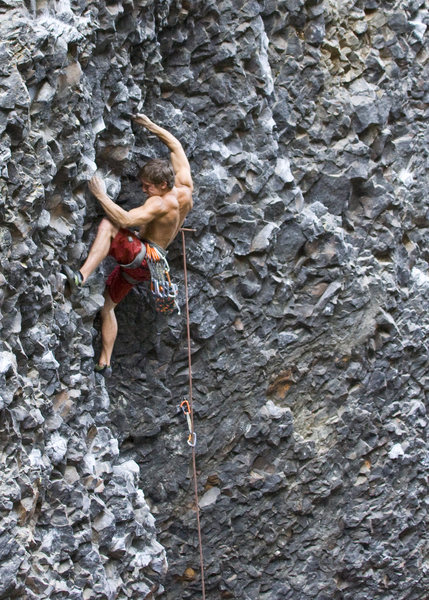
x=164, y=292
x=192, y=438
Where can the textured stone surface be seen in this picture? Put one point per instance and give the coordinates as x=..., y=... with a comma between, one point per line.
x=306, y=126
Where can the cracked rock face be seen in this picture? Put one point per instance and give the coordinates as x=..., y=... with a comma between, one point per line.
x=306, y=127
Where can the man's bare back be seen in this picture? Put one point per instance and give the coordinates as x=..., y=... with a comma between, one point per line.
x=163, y=229
x=173, y=208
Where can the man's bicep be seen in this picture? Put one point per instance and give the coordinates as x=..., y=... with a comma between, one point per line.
x=180, y=162
x=145, y=214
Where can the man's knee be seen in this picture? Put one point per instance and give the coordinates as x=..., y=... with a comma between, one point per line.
x=107, y=228
x=109, y=306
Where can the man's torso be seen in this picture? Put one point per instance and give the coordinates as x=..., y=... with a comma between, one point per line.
x=163, y=229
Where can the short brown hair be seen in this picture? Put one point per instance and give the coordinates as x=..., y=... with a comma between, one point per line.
x=157, y=171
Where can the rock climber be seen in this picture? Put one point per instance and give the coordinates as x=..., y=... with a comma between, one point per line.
x=168, y=187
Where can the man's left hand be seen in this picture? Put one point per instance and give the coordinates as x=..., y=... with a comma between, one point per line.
x=142, y=119
x=97, y=186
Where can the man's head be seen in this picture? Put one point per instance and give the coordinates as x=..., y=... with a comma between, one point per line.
x=159, y=172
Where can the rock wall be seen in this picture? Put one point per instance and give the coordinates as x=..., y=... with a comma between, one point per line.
x=305, y=124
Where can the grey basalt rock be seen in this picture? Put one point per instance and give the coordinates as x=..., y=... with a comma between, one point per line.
x=47, y=154
x=305, y=125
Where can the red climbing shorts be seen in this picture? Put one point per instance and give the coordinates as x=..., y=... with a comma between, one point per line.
x=124, y=248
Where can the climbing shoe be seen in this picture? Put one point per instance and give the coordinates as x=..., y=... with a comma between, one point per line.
x=74, y=278
x=103, y=370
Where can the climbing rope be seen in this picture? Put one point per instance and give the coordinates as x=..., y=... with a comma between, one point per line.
x=189, y=413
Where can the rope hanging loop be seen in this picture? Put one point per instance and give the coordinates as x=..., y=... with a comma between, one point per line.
x=188, y=410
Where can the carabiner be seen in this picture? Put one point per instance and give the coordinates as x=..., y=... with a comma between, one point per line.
x=172, y=291
x=155, y=287
x=187, y=409
x=193, y=437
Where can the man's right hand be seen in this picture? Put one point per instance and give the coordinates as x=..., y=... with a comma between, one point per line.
x=97, y=186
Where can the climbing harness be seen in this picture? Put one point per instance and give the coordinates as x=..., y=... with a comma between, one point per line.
x=137, y=261
x=164, y=292
x=187, y=408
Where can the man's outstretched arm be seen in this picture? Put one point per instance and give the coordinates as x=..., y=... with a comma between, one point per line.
x=178, y=157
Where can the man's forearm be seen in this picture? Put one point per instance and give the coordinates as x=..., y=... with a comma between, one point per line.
x=115, y=213
x=178, y=157
x=165, y=136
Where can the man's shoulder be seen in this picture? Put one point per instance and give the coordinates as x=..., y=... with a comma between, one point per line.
x=184, y=192
x=154, y=204
x=185, y=200
x=165, y=203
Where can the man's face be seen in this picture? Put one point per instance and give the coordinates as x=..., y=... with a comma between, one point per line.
x=153, y=189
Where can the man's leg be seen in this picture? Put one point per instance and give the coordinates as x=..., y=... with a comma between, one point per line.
x=99, y=249
x=109, y=330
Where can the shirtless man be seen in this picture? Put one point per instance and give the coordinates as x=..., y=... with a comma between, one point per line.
x=169, y=190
